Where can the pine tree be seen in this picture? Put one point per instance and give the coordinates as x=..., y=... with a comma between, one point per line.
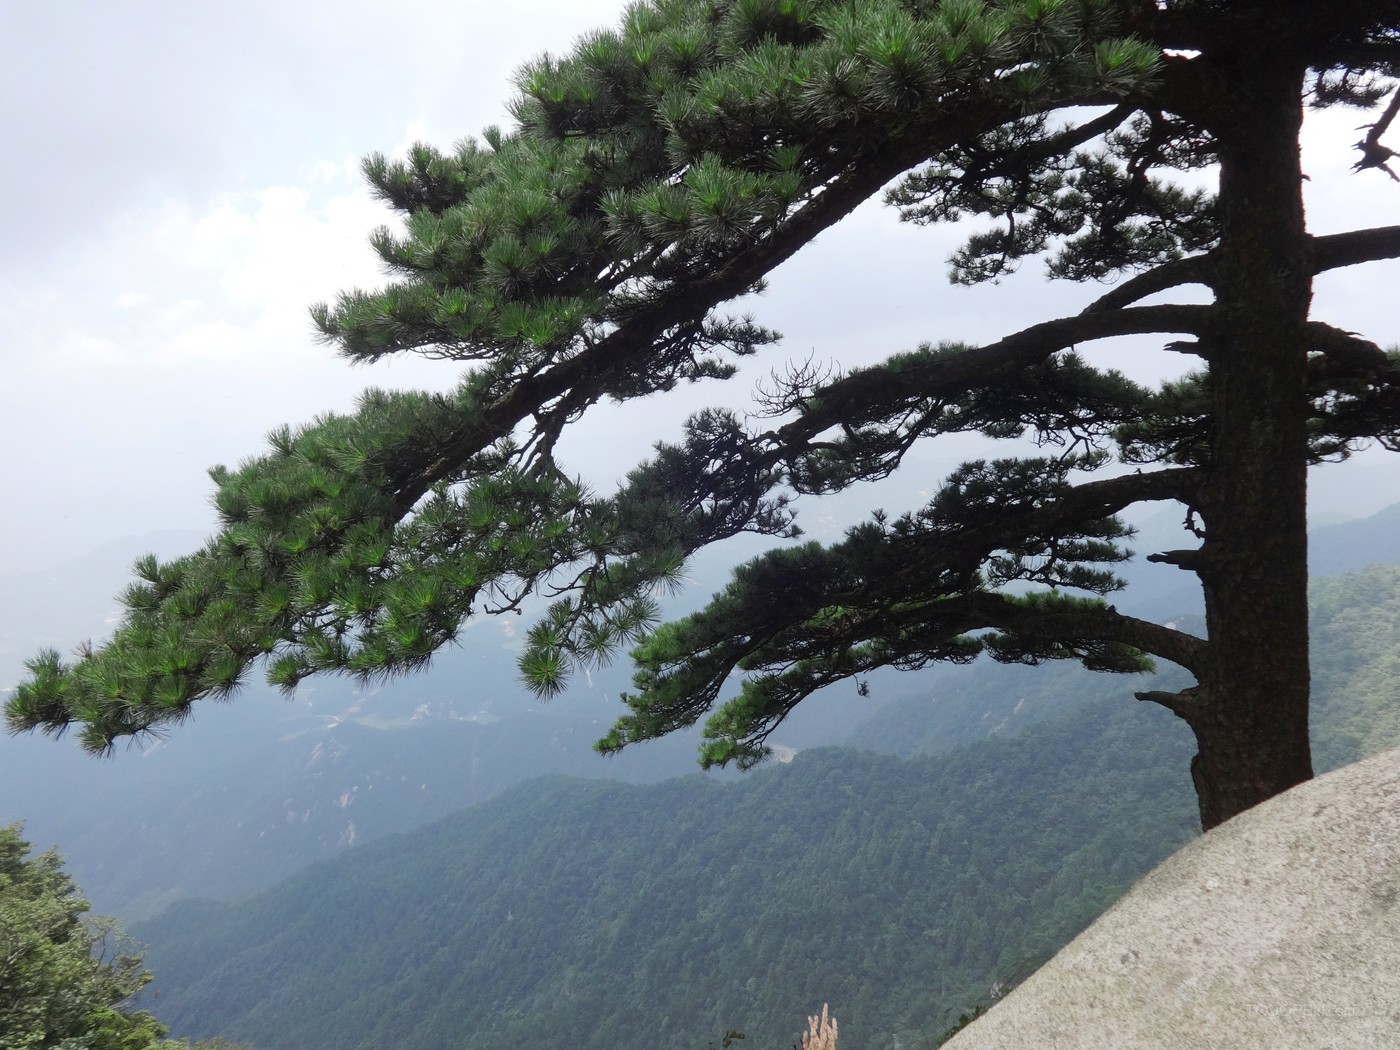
x=66, y=979
x=662, y=170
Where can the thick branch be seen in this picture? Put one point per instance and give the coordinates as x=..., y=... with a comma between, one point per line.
x=797, y=620
x=850, y=397
x=1347, y=348
x=1328, y=253
x=628, y=347
x=1187, y=704
x=1195, y=270
x=915, y=592
x=1190, y=560
x=1097, y=499
x=1077, y=135
x=1356, y=246
x=1106, y=624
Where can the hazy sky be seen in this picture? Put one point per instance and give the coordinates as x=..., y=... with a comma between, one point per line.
x=181, y=182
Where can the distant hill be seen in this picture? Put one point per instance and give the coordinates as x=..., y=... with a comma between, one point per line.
x=249, y=792
x=592, y=916
x=234, y=816
x=569, y=914
x=963, y=705
x=1353, y=545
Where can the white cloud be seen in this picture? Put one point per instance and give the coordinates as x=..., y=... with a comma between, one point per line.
x=176, y=339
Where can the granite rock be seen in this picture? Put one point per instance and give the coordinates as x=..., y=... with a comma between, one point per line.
x=1278, y=929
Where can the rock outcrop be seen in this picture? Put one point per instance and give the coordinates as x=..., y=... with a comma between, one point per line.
x=1278, y=929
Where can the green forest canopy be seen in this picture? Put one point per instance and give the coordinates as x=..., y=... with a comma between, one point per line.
x=661, y=170
x=67, y=979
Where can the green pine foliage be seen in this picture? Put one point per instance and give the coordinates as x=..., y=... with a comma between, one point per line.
x=668, y=164
x=658, y=173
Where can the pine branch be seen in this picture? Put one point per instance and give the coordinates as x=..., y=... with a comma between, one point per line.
x=1374, y=154
x=899, y=595
x=1104, y=623
x=1347, y=348
x=852, y=397
x=1353, y=247
x=1193, y=270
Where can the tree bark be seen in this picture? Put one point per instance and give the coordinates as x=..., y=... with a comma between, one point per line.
x=1251, y=718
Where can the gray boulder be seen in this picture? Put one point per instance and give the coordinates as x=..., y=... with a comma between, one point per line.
x=1278, y=929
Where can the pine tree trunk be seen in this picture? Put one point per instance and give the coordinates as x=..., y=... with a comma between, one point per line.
x=1251, y=711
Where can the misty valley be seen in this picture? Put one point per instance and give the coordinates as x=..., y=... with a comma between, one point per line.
x=441, y=862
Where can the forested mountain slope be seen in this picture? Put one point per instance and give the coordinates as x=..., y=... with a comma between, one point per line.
x=1356, y=665
x=900, y=890
x=254, y=791
x=587, y=915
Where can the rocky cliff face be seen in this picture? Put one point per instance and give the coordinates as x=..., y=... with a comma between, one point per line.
x=1279, y=929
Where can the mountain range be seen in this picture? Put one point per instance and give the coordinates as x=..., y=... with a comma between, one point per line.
x=902, y=883
x=248, y=792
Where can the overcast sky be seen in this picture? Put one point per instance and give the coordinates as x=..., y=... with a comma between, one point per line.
x=181, y=182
